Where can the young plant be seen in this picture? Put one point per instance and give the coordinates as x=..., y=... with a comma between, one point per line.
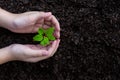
x=44, y=36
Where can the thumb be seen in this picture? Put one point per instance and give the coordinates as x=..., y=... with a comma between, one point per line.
x=47, y=14
x=38, y=17
x=43, y=15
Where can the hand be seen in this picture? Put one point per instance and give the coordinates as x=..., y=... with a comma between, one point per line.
x=31, y=53
x=30, y=22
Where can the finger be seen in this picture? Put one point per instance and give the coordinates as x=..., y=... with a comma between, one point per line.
x=52, y=47
x=57, y=34
x=43, y=15
x=57, y=27
x=34, y=17
x=55, y=23
x=57, y=45
x=47, y=14
x=40, y=21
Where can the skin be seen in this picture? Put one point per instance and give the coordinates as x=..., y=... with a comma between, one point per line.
x=28, y=22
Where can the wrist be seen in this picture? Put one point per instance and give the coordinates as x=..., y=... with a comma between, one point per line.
x=6, y=19
x=5, y=55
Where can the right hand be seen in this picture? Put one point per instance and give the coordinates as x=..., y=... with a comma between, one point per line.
x=32, y=53
x=30, y=22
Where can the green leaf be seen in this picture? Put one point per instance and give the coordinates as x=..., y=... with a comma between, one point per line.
x=45, y=41
x=51, y=37
x=49, y=33
x=49, y=30
x=41, y=31
x=38, y=37
x=44, y=36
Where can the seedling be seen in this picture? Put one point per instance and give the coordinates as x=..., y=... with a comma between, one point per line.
x=44, y=36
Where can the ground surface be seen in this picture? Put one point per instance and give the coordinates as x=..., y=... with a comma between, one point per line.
x=90, y=46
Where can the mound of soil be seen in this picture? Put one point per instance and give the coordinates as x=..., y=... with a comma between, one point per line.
x=90, y=41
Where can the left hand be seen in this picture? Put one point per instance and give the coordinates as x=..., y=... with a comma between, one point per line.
x=27, y=53
x=32, y=53
x=30, y=22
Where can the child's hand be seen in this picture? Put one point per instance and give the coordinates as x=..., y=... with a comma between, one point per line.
x=30, y=22
x=30, y=53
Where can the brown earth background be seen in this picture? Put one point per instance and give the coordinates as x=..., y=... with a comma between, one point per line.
x=90, y=41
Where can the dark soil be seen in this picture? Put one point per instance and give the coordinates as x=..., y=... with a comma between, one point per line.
x=90, y=41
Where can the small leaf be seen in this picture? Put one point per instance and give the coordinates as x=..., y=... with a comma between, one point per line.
x=50, y=37
x=41, y=31
x=37, y=37
x=44, y=36
x=49, y=33
x=45, y=41
x=49, y=30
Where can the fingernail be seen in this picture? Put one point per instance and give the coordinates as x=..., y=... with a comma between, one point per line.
x=45, y=54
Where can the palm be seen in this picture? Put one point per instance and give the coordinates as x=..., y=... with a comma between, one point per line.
x=33, y=53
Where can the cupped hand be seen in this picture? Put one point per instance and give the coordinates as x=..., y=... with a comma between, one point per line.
x=30, y=22
x=32, y=53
